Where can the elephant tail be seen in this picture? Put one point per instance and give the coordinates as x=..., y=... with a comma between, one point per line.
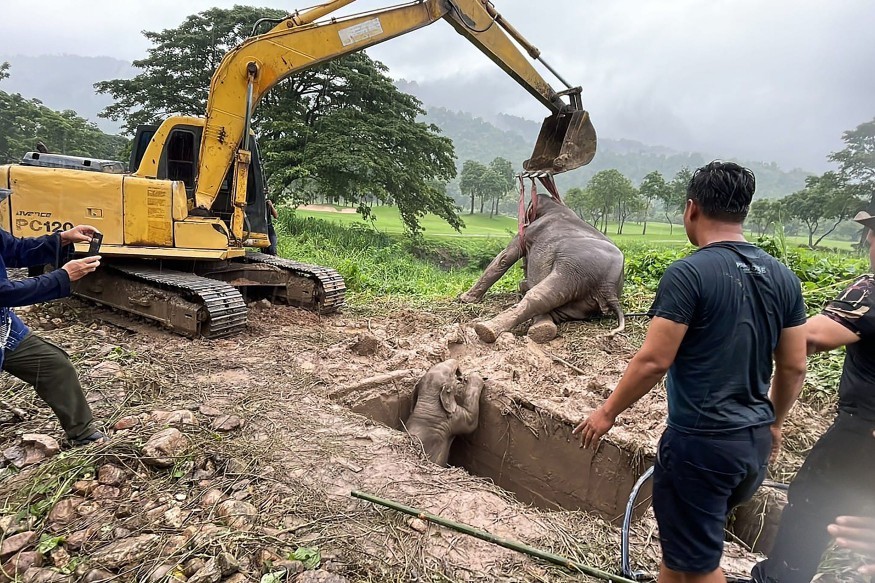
x=614, y=305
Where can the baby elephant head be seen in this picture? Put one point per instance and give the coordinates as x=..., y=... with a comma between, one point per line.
x=446, y=403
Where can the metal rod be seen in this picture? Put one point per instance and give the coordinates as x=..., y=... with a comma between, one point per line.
x=552, y=70
x=483, y=535
x=248, y=113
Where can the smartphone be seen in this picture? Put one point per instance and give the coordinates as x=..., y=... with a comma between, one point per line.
x=94, y=246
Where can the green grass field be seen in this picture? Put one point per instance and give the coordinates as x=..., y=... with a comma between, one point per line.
x=503, y=227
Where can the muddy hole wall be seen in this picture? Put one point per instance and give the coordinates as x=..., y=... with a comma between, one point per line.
x=532, y=454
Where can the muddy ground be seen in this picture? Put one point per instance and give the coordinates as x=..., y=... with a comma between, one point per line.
x=294, y=378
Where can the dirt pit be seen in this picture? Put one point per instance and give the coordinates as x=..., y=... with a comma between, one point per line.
x=322, y=399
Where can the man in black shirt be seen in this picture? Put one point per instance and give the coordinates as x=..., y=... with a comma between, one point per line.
x=838, y=476
x=720, y=317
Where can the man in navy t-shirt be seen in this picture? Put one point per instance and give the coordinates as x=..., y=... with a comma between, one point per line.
x=720, y=318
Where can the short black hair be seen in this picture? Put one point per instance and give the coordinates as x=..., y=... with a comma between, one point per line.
x=723, y=190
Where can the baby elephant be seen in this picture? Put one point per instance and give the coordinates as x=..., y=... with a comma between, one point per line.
x=572, y=271
x=446, y=403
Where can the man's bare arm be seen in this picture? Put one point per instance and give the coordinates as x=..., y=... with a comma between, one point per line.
x=644, y=371
x=787, y=383
x=824, y=333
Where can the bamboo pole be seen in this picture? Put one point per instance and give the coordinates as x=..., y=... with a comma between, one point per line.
x=569, y=564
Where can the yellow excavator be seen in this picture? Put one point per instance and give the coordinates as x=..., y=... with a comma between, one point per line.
x=178, y=231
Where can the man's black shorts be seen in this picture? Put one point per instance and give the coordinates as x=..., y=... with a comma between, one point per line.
x=698, y=479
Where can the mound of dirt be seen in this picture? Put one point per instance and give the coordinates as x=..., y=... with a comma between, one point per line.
x=246, y=499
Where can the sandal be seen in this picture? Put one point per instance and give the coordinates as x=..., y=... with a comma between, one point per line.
x=94, y=437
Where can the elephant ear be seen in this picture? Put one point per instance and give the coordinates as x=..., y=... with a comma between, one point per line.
x=448, y=399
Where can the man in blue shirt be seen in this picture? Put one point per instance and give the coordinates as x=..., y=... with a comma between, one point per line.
x=24, y=354
x=719, y=319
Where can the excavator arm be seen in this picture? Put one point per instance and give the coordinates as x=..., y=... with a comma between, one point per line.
x=567, y=139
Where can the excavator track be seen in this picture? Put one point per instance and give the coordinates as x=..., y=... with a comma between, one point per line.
x=324, y=295
x=187, y=304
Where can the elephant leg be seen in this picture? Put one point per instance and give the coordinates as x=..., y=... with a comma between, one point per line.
x=543, y=329
x=554, y=291
x=493, y=272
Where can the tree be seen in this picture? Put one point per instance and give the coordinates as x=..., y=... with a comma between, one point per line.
x=857, y=159
x=607, y=190
x=652, y=188
x=575, y=198
x=857, y=163
x=340, y=129
x=471, y=180
x=4, y=70
x=763, y=214
x=628, y=202
x=504, y=170
x=825, y=199
x=675, y=196
x=24, y=122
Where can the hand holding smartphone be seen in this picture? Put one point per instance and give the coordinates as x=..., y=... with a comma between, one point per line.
x=94, y=246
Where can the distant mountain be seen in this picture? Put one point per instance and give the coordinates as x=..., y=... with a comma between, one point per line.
x=513, y=138
x=66, y=82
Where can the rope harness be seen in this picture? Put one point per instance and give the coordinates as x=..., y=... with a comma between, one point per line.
x=527, y=213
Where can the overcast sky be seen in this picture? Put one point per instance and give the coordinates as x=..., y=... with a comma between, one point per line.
x=772, y=80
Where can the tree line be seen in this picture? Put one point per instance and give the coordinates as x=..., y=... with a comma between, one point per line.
x=24, y=122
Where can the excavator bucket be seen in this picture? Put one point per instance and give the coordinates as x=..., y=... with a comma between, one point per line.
x=567, y=141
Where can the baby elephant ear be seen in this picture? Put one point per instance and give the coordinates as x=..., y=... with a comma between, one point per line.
x=448, y=398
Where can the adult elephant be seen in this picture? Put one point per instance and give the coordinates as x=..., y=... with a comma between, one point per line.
x=446, y=403
x=572, y=272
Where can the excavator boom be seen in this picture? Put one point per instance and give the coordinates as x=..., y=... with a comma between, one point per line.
x=567, y=139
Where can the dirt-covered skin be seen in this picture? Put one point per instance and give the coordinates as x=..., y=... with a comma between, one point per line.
x=572, y=272
x=292, y=378
x=445, y=403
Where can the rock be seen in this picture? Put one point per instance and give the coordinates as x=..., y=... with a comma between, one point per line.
x=236, y=514
x=98, y=576
x=241, y=495
x=417, y=524
x=13, y=524
x=127, y=422
x=120, y=532
x=291, y=568
x=193, y=565
x=84, y=487
x=177, y=418
x=227, y=423
x=367, y=345
x=211, y=497
x=39, y=575
x=264, y=557
x=159, y=573
x=16, y=543
x=46, y=444
x=103, y=492
x=175, y=517
x=209, y=411
x=125, y=551
x=34, y=448
x=216, y=568
x=110, y=475
x=60, y=557
x=87, y=507
x=75, y=541
x=106, y=370
x=18, y=564
x=163, y=447
x=320, y=576
x=171, y=545
x=236, y=466
x=156, y=515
